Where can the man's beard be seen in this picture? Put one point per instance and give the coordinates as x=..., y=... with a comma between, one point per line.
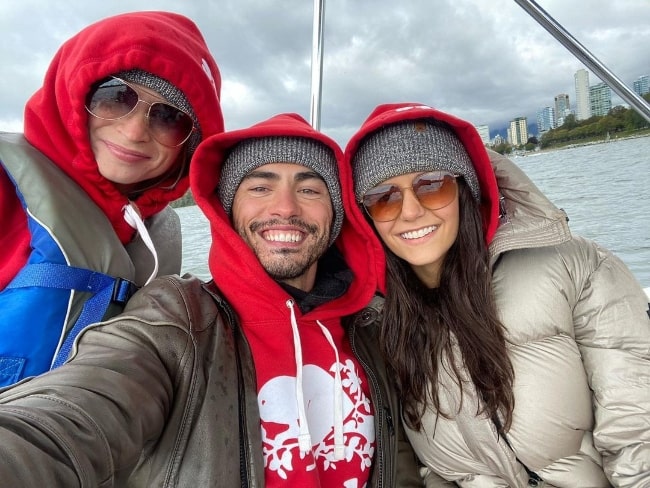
x=288, y=269
x=288, y=264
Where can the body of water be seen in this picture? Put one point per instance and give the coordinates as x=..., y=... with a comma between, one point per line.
x=604, y=188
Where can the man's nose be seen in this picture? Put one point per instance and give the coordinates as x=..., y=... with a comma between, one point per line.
x=285, y=203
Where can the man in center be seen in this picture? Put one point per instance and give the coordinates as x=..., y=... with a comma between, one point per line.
x=325, y=421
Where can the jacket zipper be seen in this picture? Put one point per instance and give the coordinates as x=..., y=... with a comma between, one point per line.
x=379, y=409
x=244, y=460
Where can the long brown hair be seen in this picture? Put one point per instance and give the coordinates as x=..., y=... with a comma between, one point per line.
x=420, y=325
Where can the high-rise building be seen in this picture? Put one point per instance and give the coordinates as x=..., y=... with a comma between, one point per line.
x=600, y=99
x=583, y=107
x=562, y=108
x=642, y=85
x=545, y=119
x=518, y=131
x=484, y=132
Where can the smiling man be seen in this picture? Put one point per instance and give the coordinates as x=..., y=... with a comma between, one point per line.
x=269, y=375
x=283, y=211
x=284, y=196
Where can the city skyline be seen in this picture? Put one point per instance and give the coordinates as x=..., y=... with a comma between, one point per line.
x=604, y=102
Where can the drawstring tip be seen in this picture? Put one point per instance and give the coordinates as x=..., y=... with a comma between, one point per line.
x=304, y=442
x=339, y=452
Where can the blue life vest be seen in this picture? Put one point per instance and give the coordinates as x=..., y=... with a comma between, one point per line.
x=69, y=280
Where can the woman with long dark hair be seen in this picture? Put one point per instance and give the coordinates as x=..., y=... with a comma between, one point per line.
x=521, y=352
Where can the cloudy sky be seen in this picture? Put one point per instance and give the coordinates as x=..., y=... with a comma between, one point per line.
x=485, y=61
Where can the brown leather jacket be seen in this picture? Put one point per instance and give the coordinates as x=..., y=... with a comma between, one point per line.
x=164, y=395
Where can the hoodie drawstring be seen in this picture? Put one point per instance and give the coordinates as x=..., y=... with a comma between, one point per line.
x=339, y=447
x=304, y=438
x=132, y=217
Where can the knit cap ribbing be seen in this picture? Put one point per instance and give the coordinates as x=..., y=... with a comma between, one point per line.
x=408, y=147
x=250, y=154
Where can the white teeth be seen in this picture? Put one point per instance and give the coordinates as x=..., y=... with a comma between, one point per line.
x=283, y=236
x=416, y=234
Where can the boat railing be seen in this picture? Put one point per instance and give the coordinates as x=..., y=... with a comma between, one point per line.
x=586, y=57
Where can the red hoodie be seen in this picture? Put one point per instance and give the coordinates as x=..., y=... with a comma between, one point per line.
x=165, y=44
x=266, y=319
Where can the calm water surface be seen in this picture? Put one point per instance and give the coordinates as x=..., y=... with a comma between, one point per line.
x=604, y=188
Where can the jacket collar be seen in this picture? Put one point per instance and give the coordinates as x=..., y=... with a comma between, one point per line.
x=528, y=219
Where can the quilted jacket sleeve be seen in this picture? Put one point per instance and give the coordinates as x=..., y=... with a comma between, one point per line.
x=612, y=328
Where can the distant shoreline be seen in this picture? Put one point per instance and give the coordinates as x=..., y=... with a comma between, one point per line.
x=602, y=141
x=578, y=144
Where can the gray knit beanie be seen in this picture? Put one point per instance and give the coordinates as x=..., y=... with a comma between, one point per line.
x=170, y=93
x=250, y=154
x=408, y=147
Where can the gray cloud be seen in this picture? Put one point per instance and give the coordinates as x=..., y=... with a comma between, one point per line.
x=487, y=62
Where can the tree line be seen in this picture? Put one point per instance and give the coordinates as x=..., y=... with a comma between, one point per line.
x=184, y=201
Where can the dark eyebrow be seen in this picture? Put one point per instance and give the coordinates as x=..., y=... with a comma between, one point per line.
x=308, y=175
x=270, y=175
x=267, y=175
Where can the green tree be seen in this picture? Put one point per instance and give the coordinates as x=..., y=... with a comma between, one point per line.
x=184, y=201
x=634, y=120
x=503, y=148
x=569, y=122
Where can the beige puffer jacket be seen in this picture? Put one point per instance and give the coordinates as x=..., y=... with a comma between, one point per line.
x=580, y=331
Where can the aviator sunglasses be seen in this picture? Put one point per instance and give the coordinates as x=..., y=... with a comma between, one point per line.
x=434, y=190
x=115, y=99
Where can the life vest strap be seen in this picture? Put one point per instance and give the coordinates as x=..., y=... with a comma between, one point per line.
x=104, y=288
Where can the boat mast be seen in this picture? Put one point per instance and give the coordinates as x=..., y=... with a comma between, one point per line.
x=317, y=63
x=588, y=59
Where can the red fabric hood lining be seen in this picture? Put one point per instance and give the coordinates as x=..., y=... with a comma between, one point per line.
x=233, y=265
x=166, y=44
x=390, y=113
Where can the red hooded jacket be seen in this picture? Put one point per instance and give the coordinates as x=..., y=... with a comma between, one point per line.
x=391, y=113
x=262, y=309
x=165, y=44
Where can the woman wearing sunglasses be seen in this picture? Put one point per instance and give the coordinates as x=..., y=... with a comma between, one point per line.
x=521, y=352
x=84, y=193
